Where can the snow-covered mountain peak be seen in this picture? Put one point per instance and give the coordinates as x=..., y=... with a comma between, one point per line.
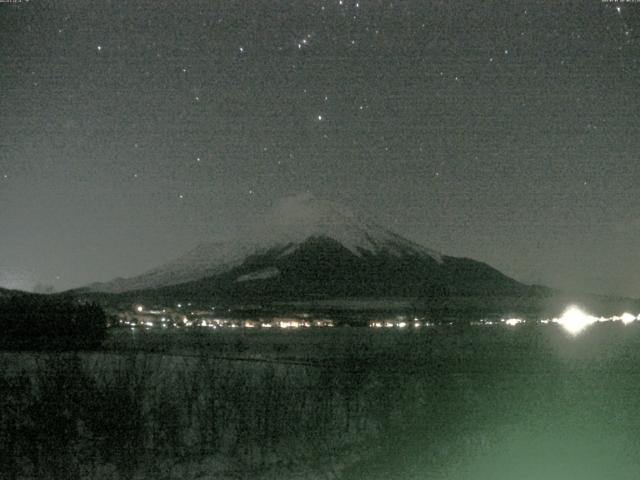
x=296, y=218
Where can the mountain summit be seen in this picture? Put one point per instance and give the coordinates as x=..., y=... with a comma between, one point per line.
x=305, y=246
x=296, y=219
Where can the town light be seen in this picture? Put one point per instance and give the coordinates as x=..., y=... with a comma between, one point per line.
x=627, y=318
x=574, y=320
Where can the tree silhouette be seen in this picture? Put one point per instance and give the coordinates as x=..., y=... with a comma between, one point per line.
x=50, y=322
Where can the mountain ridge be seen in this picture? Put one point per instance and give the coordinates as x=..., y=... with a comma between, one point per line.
x=304, y=247
x=323, y=268
x=290, y=222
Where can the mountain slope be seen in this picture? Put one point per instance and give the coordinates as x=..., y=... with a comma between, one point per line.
x=308, y=248
x=6, y=294
x=321, y=267
x=289, y=224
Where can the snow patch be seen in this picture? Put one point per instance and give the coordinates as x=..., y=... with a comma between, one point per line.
x=263, y=274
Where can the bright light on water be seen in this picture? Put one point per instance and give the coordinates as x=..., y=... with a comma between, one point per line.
x=574, y=320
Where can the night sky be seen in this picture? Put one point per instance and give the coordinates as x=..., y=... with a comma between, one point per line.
x=502, y=131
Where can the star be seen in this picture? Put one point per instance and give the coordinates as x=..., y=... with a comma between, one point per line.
x=99, y=47
x=320, y=118
x=181, y=196
x=305, y=41
x=241, y=49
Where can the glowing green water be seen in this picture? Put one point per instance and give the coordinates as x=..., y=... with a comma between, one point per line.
x=574, y=414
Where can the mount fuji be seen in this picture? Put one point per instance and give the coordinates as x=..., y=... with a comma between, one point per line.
x=305, y=247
